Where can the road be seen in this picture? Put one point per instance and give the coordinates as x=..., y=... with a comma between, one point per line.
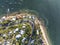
x=44, y=34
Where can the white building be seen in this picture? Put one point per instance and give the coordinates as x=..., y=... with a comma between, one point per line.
x=4, y=35
x=23, y=26
x=23, y=39
x=24, y=16
x=8, y=43
x=18, y=36
x=30, y=17
x=10, y=32
x=13, y=19
x=3, y=18
x=0, y=43
x=14, y=31
x=17, y=29
x=37, y=32
x=22, y=32
x=33, y=17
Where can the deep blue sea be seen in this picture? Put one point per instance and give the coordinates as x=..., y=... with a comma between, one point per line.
x=47, y=9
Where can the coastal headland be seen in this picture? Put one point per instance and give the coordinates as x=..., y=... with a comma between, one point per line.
x=23, y=28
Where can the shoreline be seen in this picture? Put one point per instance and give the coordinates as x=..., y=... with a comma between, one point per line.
x=43, y=30
x=45, y=35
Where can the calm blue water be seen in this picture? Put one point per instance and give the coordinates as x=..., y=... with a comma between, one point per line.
x=49, y=9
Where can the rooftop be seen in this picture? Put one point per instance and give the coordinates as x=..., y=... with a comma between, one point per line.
x=21, y=28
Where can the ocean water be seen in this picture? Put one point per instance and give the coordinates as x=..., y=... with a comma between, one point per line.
x=47, y=9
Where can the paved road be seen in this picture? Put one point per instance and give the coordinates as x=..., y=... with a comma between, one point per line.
x=32, y=24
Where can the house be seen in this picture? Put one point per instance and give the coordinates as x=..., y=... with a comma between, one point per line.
x=0, y=43
x=23, y=26
x=18, y=36
x=37, y=32
x=3, y=18
x=4, y=35
x=4, y=43
x=10, y=32
x=24, y=16
x=22, y=32
x=30, y=17
x=33, y=17
x=32, y=41
x=13, y=19
x=14, y=44
x=8, y=43
x=17, y=29
x=14, y=31
x=23, y=39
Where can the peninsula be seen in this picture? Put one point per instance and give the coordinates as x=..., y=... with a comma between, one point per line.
x=23, y=28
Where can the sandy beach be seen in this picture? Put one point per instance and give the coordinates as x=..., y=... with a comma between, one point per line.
x=45, y=35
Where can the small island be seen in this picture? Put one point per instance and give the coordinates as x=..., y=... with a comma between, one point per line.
x=22, y=28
